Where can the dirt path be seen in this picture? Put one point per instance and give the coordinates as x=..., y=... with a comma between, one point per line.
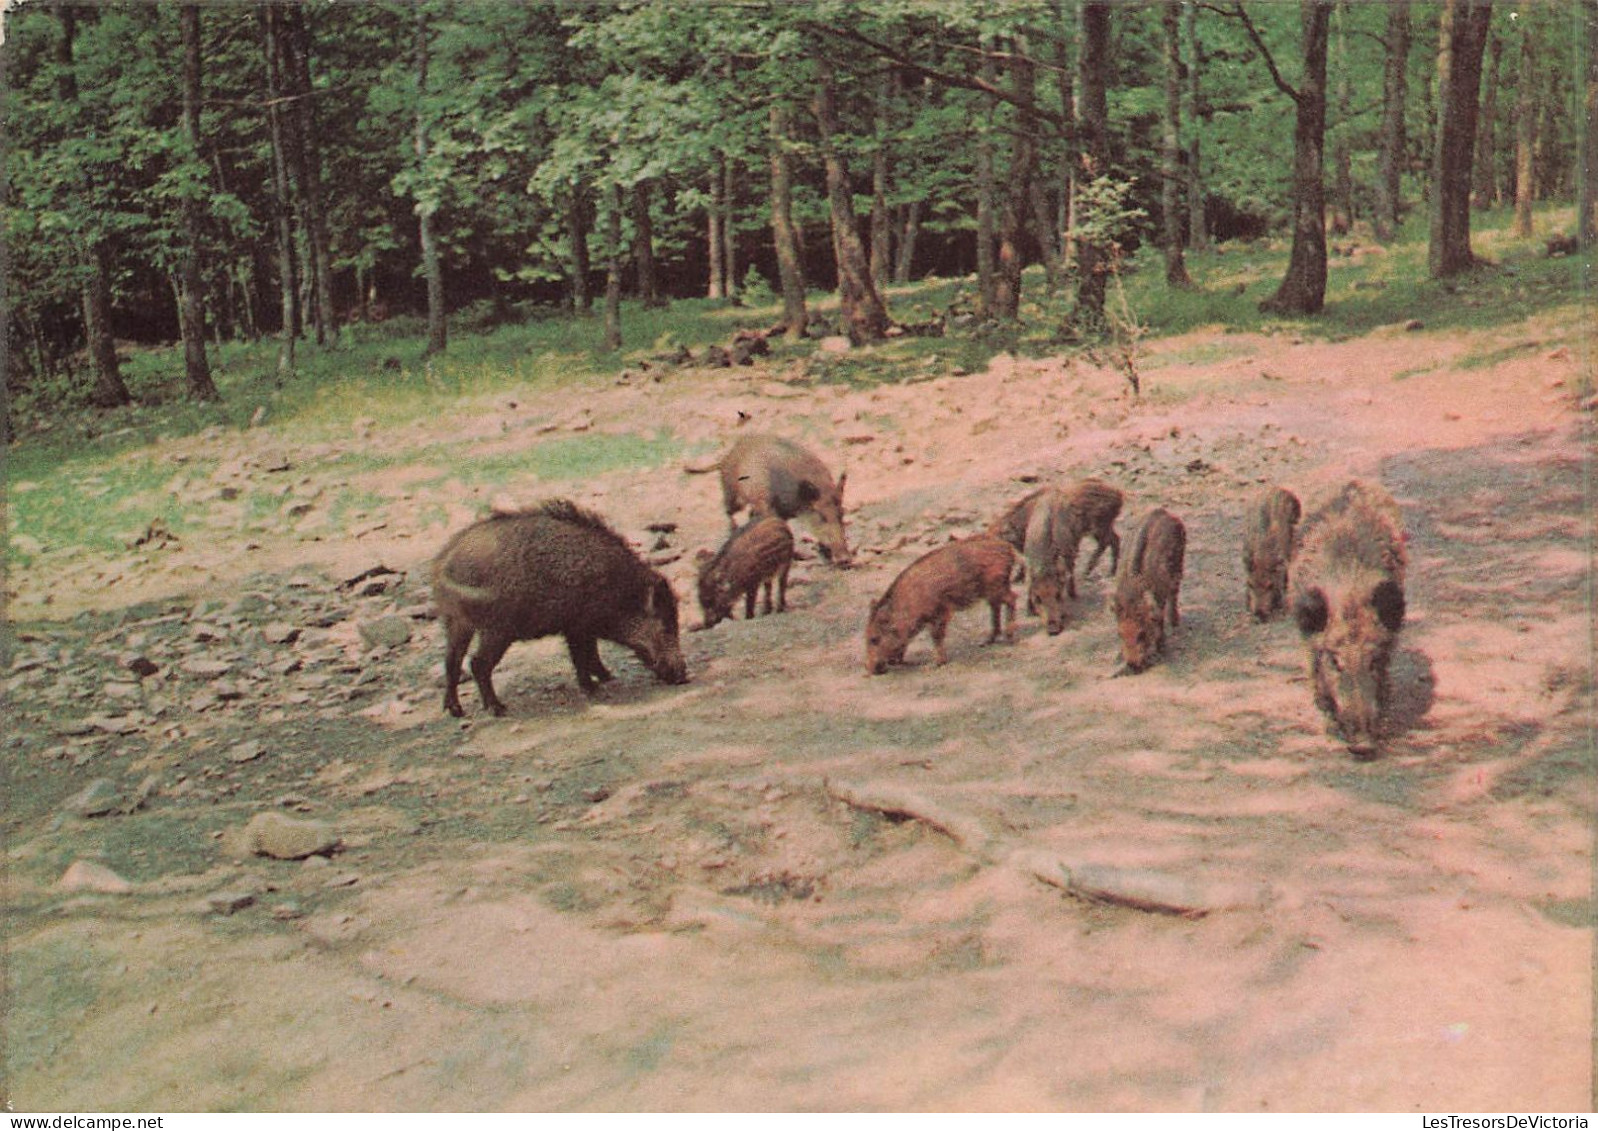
x=659, y=898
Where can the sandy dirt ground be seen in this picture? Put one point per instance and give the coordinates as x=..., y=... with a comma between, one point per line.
x=787, y=885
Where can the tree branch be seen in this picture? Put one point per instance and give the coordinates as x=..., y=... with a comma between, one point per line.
x=1237, y=12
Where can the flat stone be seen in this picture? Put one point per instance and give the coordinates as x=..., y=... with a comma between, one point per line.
x=96, y=799
x=386, y=632
x=86, y=875
x=229, y=902
x=289, y=838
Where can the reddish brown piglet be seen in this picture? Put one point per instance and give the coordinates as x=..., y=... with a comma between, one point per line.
x=932, y=589
x=1267, y=548
x=1147, y=588
x=757, y=555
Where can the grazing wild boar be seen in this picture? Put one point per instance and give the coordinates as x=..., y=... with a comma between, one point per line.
x=771, y=475
x=1348, y=599
x=758, y=554
x=1147, y=587
x=1267, y=548
x=553, y=568
x=931, y=589
x=1048, y=526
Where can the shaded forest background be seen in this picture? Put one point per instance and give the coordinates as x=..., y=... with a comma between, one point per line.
x=206, y=173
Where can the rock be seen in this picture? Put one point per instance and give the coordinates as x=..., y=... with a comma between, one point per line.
x=386, y=632
x=86, y=875
x=280, y=633
x=96, y=799
x=140, y=665
x=229, y=902
x=835, y=344
x=247, y=751
x=288, y=838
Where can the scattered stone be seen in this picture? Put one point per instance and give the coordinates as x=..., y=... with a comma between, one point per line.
x=96, y=799
x=835, y=344
x=87, y=875
x=206, y=669
x=280, y=633
x=247, y=751
x=229, y=902
x=288, y=838
x=140, y=665
x=386, y=632
x=287, y=910
x=348, y=880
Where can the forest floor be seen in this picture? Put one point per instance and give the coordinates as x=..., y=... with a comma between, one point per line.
x=788, y=885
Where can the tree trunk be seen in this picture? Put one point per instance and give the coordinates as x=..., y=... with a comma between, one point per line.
x=1391, y=140
x=1198, y=227
x=1048, y=238
x=863, y=312
x=613, y=268
x=986, y=191
x=1342, y=155
x=729, y=224
x=196, y=367
x=1525, y=134
x=432, y=268
x=296, y=42
x=1171, y=148
x=904, y=263
x=577, y=248
x=715, y=238
x=1463, y=37
x=881, y=223
x=269, y=15
x=1018, y=197
x=1303, y=289
x=1485, y=191
x=109, y=390
x=644, y=249
x=1070, y=19
x=790, y=268
x=1094, y=262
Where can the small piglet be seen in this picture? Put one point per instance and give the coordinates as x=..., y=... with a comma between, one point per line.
x=758, y=554
x=1267, y=547
x=1147, y=586
x=932, y=589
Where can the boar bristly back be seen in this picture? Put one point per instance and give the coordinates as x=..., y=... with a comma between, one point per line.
x=774, y=476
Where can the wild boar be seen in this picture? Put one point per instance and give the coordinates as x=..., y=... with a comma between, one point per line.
x=1348, y=600
x=1267, y=549
x=1048, y=526
x=553, y=568
x=932, y=589
x=771, y=475
x=1147, y=587
x=758, y=554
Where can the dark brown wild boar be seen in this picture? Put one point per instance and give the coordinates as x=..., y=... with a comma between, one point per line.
x=771, y=475
x=758, y=554
x=1267, y=548
x=1147, y=587
x=932, y=589
x=554, y=568
x=1348, y=599
x=1048, y=526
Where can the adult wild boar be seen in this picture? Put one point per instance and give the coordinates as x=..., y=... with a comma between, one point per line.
x=759, y=553
x=932, y=589
x=553, y=568
x=772, y=475
x=1147, y=587
x=1267, y=549
x=1348, y=600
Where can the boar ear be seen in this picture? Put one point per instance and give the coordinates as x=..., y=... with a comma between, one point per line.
x=1388, y=598
x=808, y=492
x=1310, y=612
x=704, y=555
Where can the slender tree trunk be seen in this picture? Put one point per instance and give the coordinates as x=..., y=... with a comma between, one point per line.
x=577, y=248
x=1094, y=262
x=904, y=263
x=95, y=290
x=1342, y=155
x=729, y=223
x=790, y=269
x=1525, y=134
x=1070, y=20
x=1485, y=176
x=196, y=366
x=863, y=311
x=1171, y=148
x=1391, y=141
x=715, y=238
x=644, y=249
x=432, y=268
x=1018, y=197
x=881, y=224
x=1198, y=227
x=614, y=263
x=1303, y=289
x=1587, y=198
x=269, y=15
x=296, y=41
x=1463, y=37
x=986, y=190
x=1043, y=230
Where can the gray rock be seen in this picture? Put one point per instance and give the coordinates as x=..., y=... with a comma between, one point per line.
x=289, y=838
x=229, y=902
x=96, y=799
x=86, y=875
x=246, y=751
x=386, y=632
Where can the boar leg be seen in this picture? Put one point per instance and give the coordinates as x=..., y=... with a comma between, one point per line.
x=591, y=670
x=765, y=605
x=939, y=625
x=491, y=649
x=1068, y=567
x=458, y=633
x=749, y=601
x=1324, y=699
x=782, y=587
